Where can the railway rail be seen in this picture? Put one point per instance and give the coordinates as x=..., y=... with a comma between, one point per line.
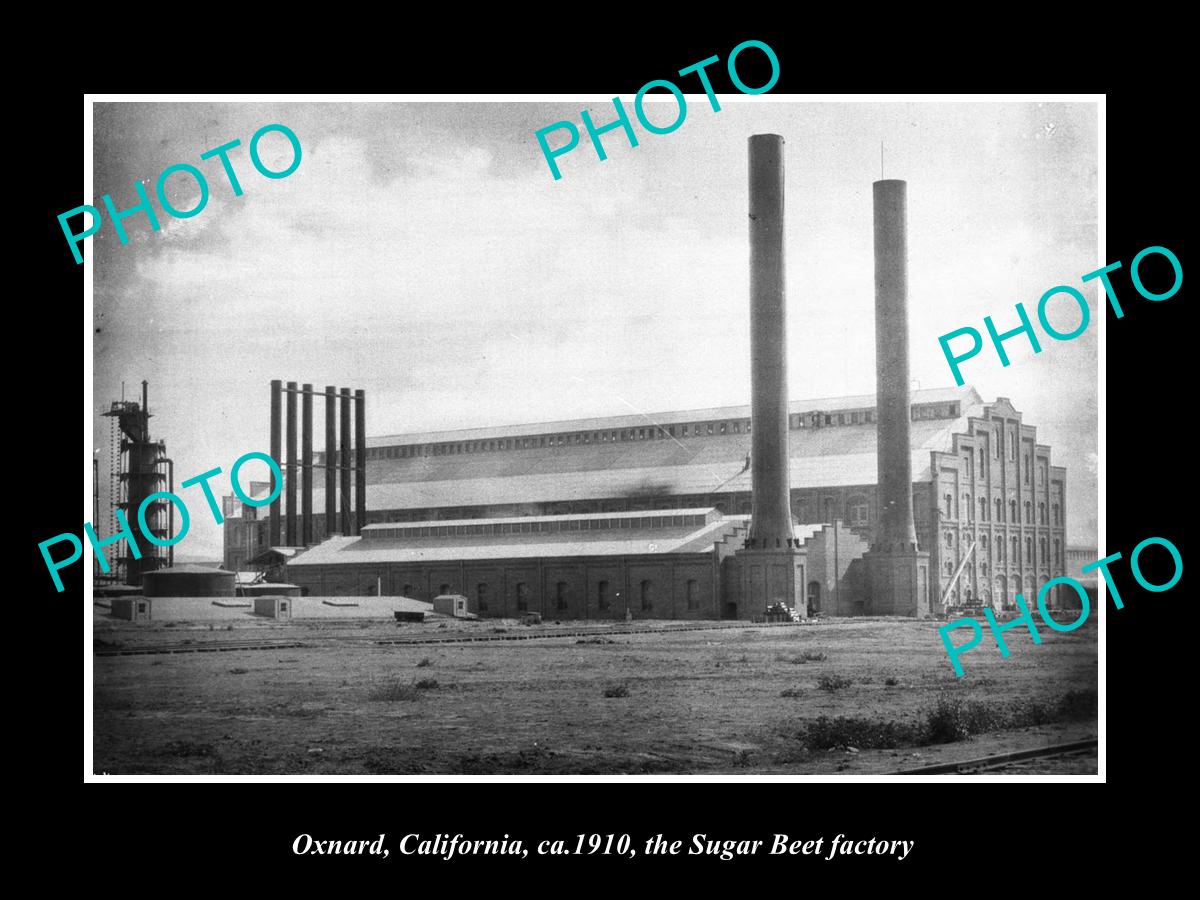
x=1006, y=760
x=202, y=647
x=527, y=634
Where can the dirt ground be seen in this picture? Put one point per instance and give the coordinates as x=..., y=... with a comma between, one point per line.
x=696, y=702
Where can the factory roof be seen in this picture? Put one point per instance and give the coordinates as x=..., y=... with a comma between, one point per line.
x=191, y=569
x=609, y=541
x=696, y=466
x=824, y=404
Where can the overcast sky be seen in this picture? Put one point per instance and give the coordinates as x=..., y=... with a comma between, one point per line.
x=424, y=253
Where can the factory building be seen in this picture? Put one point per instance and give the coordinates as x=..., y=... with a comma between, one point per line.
x=897, y=503
x=696, y=459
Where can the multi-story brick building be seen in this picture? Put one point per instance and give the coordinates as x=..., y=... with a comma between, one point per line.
x=987, y=501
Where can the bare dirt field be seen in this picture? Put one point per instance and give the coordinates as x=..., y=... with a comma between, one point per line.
x=733, y=701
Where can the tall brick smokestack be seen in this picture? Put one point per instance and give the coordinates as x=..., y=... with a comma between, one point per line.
x=771, y=519
x=897, y=530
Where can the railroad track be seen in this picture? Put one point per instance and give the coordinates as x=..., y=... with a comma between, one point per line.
x=219, y=646
x=205, y=647
x=1006, y=760
x=541, y=635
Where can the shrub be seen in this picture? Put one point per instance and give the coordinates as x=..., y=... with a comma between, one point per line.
x=394, y=690
x=424, y=663
x=833, y=682
x=616, y=690
x=826, y=733
x=1076, y=705
x=890, y=681
x=427, y=684
x=950, y=719
x=791, y=692
x=812, y=656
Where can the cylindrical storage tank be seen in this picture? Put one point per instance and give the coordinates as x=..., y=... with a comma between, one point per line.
x=188, y=581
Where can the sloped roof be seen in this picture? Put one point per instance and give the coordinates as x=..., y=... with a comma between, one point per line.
x=834, y=456
x=631, y=542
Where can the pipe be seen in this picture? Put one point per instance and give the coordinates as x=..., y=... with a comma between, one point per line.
x=171, y=510
x=344, y=463
x=360, y=461
x=306, y=498
x=290, y=479
x=897, y=530
x=330, y=460
x=277, y=455
x=771, y=518
x=95, y=508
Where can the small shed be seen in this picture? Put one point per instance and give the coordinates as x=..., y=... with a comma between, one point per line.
x=274, y=607
x=131, y=609
x=272, y=562
x=451, y=605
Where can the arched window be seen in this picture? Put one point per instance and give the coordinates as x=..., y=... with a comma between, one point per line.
x=999, y=510
x=693, y=594
x=1001, y=587
x=1043, y=553
x=982, y=460
x=1057, y=552
x=949, y=501
x=949, y=567
x=968, y=506
x=1000, y=556
x=647, y=588
x=983, y=544
x=560, y=595
x=603, y=601
x=481, y=596
x=1028, y=513
x=1016, y=551
x=983, y=510
x=983, y=570
x=1012, y=511
x=1012, y=446
x=1042, y=513
x=1028, y=550
x=1017, y=584
x=949, y=539
x=1028, y=469
x=1057, y=515
x=996, y=446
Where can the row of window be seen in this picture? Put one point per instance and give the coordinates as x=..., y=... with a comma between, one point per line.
x=1042, y=518
x=984, y=550
x=1026, y=467
x=1002, y=586
x=651, y=432
x=533, y=526
x=646, y=433
x=562, y=598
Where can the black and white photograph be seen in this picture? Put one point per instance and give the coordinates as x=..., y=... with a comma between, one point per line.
x=675, y=435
